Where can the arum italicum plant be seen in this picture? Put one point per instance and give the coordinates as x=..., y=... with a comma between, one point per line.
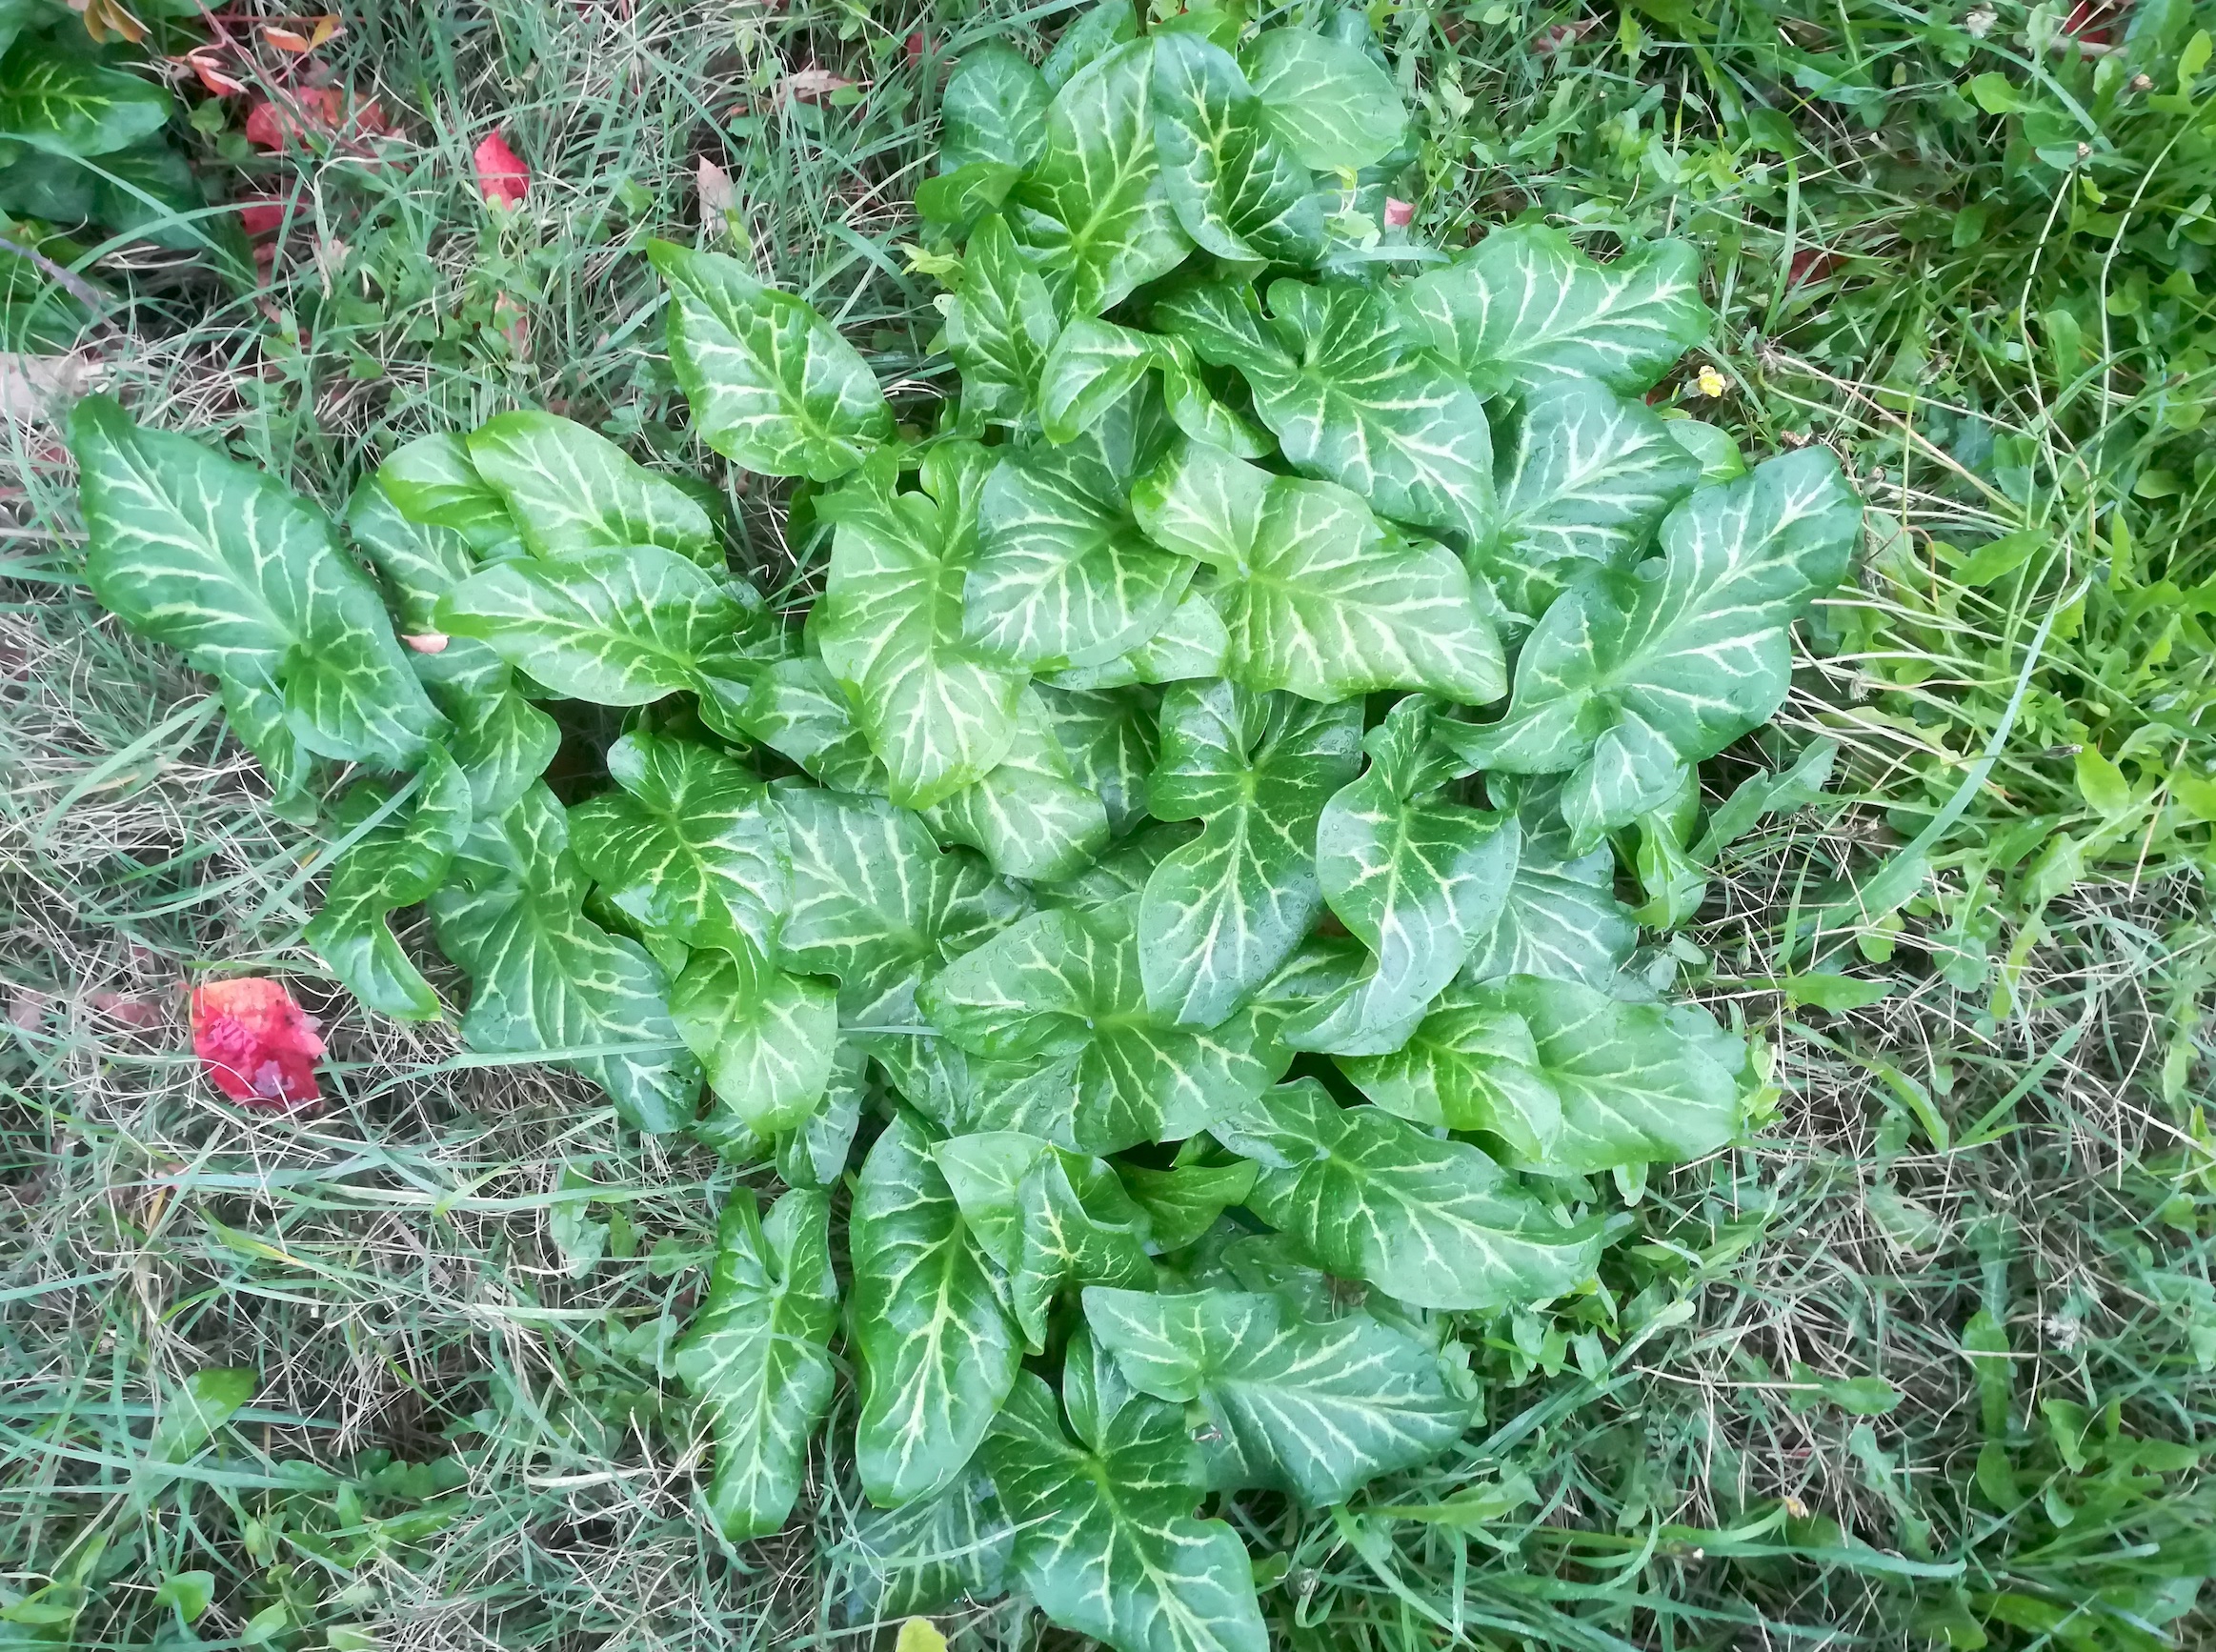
x=1132, y=852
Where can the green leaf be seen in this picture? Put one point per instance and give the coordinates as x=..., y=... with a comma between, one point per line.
x=959, y=198
x=1092, y=36
x=756, y=1356
x=772, y=384
x=502, y=741
x=1108, y=738
x=1223, y=911
x=1525, y=308
x=1419, y=879
x=1032, y=816
x=1057, y=998
x=433, y=480
x=1432, y=1222
x=570, y=489
x=1324, y=99
x=1316, y=596
x=924, y=1555
x=1237, y=190
x=936, y=1352
x=936, y=706
x=793, y=707
x=691, y=846
x=1183, y=1202
x=765, y=1038
x=1585, y=474
x=1052, y=1220
x=1628, y=678
x=617, y=628
x=1066, y=577
x=1191, y=643
x=1106, y=1544
x=876, y=903
x=398, y=863
x=66, y=103
x=815, y=1153
x=1561, y=919
x=224, y=563
x=994, y=108
x=189, y=1593
x=1571, y=1078
x=1351, y=399
x=416, y=562
x=1093, y=365
x=1092, y=204
x=1002, y=324
x=546, y=977
x=1314, y=1409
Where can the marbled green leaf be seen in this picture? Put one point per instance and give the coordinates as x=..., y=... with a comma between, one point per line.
x=793, y=707
x=617, y=628
x=1525, y=308
x=1325, y=100
x=1191, y=643
x=1223, y=911
x=935, y=1350
x=765, y=1038
x=756, y=1354
x=1090, y=37
x=224, y=563
x=1237, y=189
x=936, y=706
x=432, y=480
x=1109, y=740
x=1184, y=1201
x=1316, y=595
x=924, y=1555
x=691, y=845
x=1092, y=204
x=1432, y=1222
x=570, y=489
x=1032, y=816
x=1106, y=1544
x=994, y=108
x=772, y=384
x=544, y=976
x=1318, y=1408
x=67, y=102
x=1057, y=999
x=1417, y=877
x=1000, y=325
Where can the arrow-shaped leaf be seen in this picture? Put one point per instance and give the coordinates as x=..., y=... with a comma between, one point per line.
x=570, y=489
x=765, y=1038
x=1237, y=190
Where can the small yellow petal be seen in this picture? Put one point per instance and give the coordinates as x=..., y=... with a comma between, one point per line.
x=919, y=1635
x=1710, y=382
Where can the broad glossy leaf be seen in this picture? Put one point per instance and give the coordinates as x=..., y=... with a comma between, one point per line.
x=1122, y=869
x=397, y=863
x=772, y=384
x=1191, y=643
x=764, y=1036
x=924, y=1555
x=1108, y=738
x=1331, y=107
x=1033, y=817
x=1316, y=597
x=1351, y=399
x=417, y=562
x=1092, y=203
x=1568, y=1076
x=1066, y=577
x=1561, y=919
x=617, y=628
x=755, y=1357
x=1184, y=1201
x=958, y=200
x=1525, y=308
x=815, y=1153
x=1089, y=37
x=1315, y=1408
x=1052, y=1220
x=1418, y=877
x=1585, y=474
x=571, y=490
x=994, y=108
x=1237, y=189
x=937, y=707
x=1194, y=409
x=432, y=480
x=793, y=707
x=1106, y=1544
x=936, y=1352
x=1223, y=911
x=876, y=903
x=691, y=846
x=67, y=102
x=1002, y=324
x=1430, y=1221
x=1093, y=364
x=1058, y=998
x=246, y=580
x=546, y=977
x=1634, y=673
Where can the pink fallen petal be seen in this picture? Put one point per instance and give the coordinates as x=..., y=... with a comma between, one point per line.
x=427, y=642
x=1399, y=214
x=501, y=173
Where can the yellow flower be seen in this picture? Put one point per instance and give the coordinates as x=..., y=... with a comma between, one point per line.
x=1710, y=383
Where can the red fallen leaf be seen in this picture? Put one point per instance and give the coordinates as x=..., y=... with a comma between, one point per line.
x=501, y=173
x=2093, y=21
x=1810, y=264
x=1399, y=214
x=262, y=215
x=259, y=1046
x=427, y=642
x=205, y=62
x=319, y=108
x=130, y=1011
x=916, y=45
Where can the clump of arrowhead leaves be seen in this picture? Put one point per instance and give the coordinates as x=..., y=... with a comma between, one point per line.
x=1162, y=901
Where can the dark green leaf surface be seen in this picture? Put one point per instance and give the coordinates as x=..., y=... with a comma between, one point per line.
x=1001, y=325
x=1325, y=100
x=433, y=481
x=994, y=110
x=757, y=1355
x=571, y=490
x=1183, y=1202
x=924, y=1555
x=1237, y=190
x=937, y=1351
x=1032, y=816
x=67, y=103
x=765, y=1038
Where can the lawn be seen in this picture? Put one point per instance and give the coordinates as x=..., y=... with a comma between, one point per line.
x=1924, y=1355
